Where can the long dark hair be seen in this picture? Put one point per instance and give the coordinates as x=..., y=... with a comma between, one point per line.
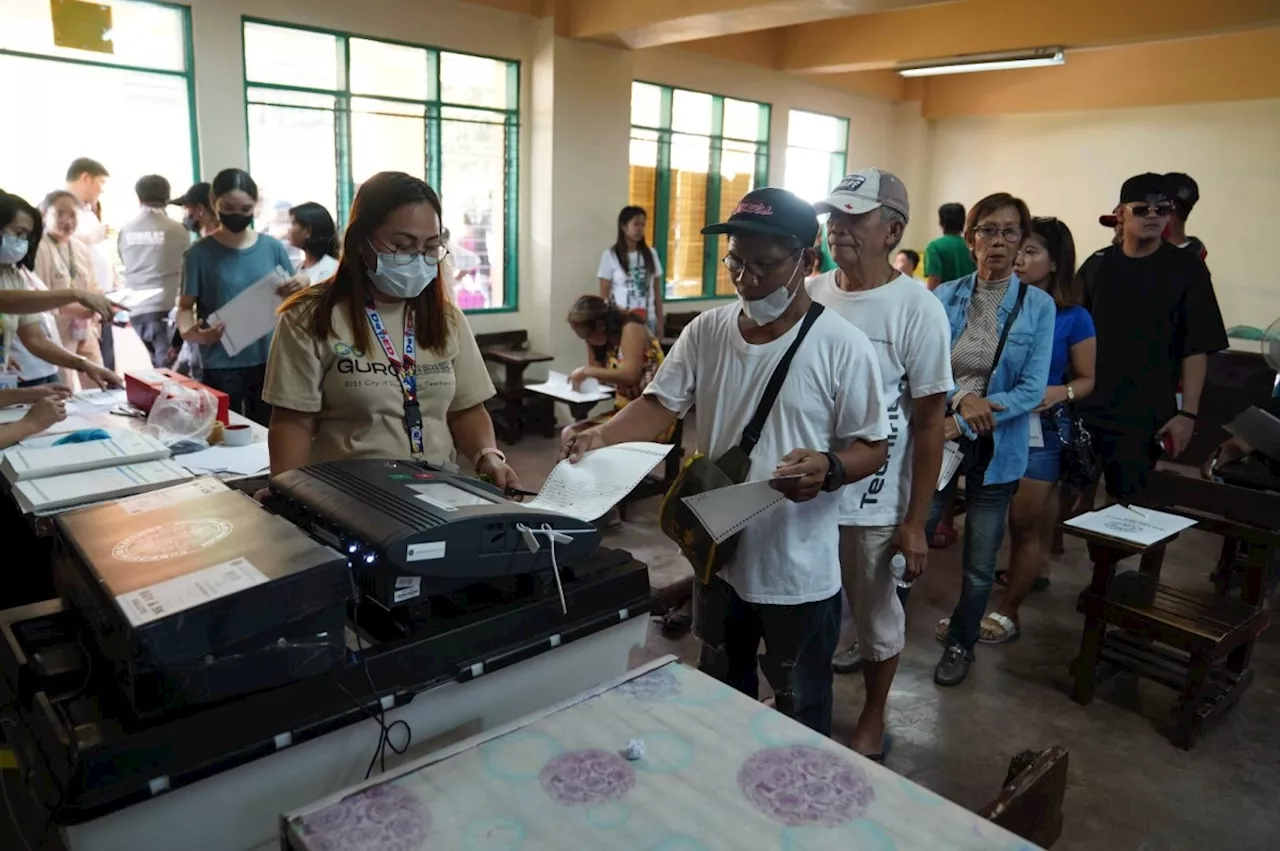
x=620, y=249
x=10, y=207
x=324, y=235
x=1066, y=289
x=229, y=180
x=378, y=197
x=593, y=311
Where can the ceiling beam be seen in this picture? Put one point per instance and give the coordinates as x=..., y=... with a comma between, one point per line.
x=654, y=23
x=884, y=40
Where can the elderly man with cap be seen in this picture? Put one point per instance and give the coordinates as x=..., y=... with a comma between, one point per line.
x=151, y=247
x=1157, y=319
x=826, y=427
x=885, y=513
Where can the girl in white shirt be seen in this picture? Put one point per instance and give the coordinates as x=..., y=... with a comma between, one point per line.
x=311, y=229
x=630, y=272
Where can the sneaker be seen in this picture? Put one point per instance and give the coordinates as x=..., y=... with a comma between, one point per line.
x=953, y=667
x=847, y=661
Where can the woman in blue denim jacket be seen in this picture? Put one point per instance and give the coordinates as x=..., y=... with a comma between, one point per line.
x=989, y=407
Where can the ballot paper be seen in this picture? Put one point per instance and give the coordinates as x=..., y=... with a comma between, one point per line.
x=726, y=511
x=228, y=460
x=588, y=489
x=123, y=447
x=558, y=386
x=251, y=315
x=1141, y=526
x=102, y=398
x=952, y=455
x=55, y=492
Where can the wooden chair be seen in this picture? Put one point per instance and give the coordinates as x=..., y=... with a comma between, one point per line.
x=1030, y=804
x=513, y=410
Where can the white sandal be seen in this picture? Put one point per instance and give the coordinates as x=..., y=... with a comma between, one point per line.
x=1009, y=629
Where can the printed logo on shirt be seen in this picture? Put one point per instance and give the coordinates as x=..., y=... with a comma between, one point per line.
x=359, y=371
x=144, y=237
x=878, y=479
x=346, y=350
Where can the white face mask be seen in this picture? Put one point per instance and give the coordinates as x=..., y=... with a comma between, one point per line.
x=403, y=281
x=762, y=311
x=12, y=249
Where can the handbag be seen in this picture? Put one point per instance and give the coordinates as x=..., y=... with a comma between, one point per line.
x=973, y=459
x=1079, y=464
x=700, y=474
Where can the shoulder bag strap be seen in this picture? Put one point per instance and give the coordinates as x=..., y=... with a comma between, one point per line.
x=751, y=434
x=1004, y=334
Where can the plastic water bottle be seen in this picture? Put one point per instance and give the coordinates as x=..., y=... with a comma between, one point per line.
x=898, y=567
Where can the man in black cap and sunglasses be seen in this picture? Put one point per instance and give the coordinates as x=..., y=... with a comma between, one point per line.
x=826, y=428
x=1157, y=320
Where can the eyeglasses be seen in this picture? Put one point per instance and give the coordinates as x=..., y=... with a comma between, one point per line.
x=1144, y=210
x=432, y=256
x=757, y=269
x=1010, y=235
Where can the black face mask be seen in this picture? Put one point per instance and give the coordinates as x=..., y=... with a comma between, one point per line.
x=235, y=222
x=192, y=224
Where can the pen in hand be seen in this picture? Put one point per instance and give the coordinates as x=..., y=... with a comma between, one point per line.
x=519, y=492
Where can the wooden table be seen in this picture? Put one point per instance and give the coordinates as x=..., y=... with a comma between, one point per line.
x=720, y=771
x=1197, y=642
x=513, y=411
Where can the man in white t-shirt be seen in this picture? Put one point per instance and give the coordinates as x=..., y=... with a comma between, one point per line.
x=86, y=179
x=827, y=425
x=885, y=513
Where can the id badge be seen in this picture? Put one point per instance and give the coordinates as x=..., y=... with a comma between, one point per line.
x=8, y=380
x=1037, y=432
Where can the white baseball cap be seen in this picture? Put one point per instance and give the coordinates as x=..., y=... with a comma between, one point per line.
x=864, y=191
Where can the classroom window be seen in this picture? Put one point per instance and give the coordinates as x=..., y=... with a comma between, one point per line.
x=328, y=110
x=817, y=147
x=77, y=73
x=693, y=156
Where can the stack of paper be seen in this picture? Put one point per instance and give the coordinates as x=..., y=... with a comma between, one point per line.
x=54, y=492
x=558, y=386
x=1141, y=526
x=228, y=460
x=124, y=447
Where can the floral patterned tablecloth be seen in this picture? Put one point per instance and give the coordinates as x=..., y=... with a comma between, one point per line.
x=719, y=771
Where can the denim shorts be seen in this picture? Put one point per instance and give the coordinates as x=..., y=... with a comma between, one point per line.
x=1044, y=463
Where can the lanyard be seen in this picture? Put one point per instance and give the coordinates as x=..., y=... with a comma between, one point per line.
x=404, y=370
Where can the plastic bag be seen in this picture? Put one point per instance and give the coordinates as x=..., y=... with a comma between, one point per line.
x=182, y=412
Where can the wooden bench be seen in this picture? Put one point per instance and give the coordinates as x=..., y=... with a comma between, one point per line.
x=513, y=410
x=1030, y=804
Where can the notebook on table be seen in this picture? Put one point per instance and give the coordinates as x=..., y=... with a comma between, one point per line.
x=124, y=447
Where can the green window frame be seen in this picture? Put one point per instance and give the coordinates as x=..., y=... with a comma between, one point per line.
x=186, y=73
x=438, y=117
x=658, y=137
x=836, y=154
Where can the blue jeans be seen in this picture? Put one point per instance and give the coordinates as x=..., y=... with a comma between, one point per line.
x=799, y=643
x=985, y=509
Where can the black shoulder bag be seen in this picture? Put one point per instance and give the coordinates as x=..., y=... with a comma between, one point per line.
x=701, y=474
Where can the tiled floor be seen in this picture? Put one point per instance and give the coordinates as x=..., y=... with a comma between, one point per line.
x=1129, y=789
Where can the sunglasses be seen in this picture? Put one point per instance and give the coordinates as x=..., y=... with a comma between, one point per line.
x=1144, y=210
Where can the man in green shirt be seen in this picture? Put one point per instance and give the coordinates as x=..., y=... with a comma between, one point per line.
x=947, y=257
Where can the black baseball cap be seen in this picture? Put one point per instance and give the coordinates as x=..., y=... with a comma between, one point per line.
x=1144, y=187
x=1185, y=191
x=197, y=194
x=773, y=212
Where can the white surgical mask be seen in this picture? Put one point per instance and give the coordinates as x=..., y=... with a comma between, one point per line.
x=12, y=249
x=407, y=281
x=762, y=311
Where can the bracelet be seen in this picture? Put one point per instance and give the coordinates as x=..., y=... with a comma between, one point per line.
x=1186, y=414
x=1071, y=392
x=488, y=450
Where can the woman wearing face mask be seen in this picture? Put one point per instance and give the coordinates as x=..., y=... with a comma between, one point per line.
x=1047, y=261
x=630, y=272
x=62, y=261
x=217, y=269
x=1002, y=338
x=311, y=229
x=30, y=349
x=376, y=362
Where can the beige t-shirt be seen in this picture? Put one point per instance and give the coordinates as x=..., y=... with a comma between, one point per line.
x=357, y=400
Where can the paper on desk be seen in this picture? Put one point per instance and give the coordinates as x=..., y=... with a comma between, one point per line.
x=72, y=423
x=12, y=415
x=588, y=489
x=952, y=455
x=726, y=511
x=558, y=386
x=236, y=460
x=176, y=495
x=251, y=315
x=102, y=398
x=1141, y=526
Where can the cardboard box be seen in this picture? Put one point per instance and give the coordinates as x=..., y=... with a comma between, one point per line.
x=143, y=388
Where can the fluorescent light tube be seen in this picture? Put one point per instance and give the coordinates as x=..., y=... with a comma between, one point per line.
x=976, y=65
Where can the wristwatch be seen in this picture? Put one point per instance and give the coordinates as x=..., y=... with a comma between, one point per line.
x=834, y=480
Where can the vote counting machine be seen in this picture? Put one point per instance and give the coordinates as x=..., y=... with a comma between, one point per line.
x=189, y=635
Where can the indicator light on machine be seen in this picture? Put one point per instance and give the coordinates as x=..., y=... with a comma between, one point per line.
x=370, y=558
